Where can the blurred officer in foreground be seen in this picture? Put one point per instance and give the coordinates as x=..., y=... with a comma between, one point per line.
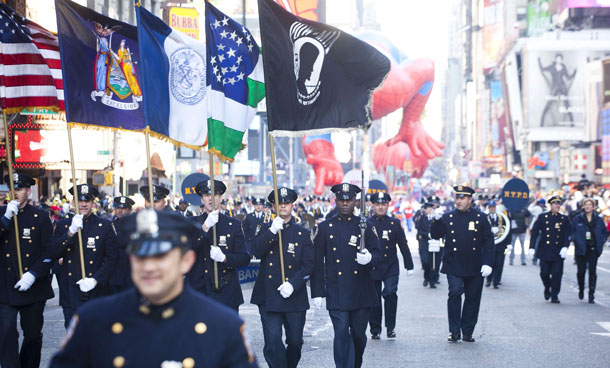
x=342, y=274
x=282, y=302
x=430, y=261
x=161, y=322
x=553, y=228
x=25, y=295
x=228, y=254
x=121, y=277
x=387, y=271
x=99, y=248
x=159, y=194
x=467, y=260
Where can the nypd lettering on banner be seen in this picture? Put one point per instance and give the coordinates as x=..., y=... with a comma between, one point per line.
x=187, y=76
x=515, y=194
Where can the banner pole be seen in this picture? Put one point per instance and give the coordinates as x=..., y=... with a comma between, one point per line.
x=213, y=194
x=76, y=210
x=277, y=205
x=149, y=167
x=9, y=163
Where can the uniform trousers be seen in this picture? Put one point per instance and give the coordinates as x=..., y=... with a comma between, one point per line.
x=431, y=262
x=31, y=318
x=390, y=304
x=497, y=268
x=581, y=265
x=276, y=354
x=464, y=318
x=350, y=336
x=550, y=273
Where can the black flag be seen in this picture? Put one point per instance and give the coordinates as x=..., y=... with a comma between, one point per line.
x=317, y=78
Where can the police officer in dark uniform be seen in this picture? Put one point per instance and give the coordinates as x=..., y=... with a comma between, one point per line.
x=26, y=295
x=229, y=253
x=159, y=195
x=468, y=256
x=99, y=248
x=282, y=302
x=387, y=271
x=430, y=261
x=552, y=231
x=161, y=322
x=497, y=223
x=121, y=277
x=342, y=274
x=254, y=219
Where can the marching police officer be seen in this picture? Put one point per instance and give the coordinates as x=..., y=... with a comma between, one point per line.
x=468, y=256
x=387, y=271
x=552, y=232
x=159, y=194
x=161, y=322
x=342, y=274
x=282, y=302
x=497, y=222
x=228, y=254
x=254, y=219
x=430, y=261
x=183, y=208
x=26, y=295
x=121, y=278
x=99, y=253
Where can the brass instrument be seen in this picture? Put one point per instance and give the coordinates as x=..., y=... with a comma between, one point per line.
x=503, y=228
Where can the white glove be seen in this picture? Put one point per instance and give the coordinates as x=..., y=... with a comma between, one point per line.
x=364, y=258
x=532, y=251
x=217, y=255
x=286, y=289
x=494, y=230
x=485, y=271
x=510, y=247
x=86, y=284
x=277, y=224
x=317, y=302
x=26, y=282
x=438, y=214
x=77, y=223
x=410, y=272
x=563, y=252
x=11, y=209
x=212, y=219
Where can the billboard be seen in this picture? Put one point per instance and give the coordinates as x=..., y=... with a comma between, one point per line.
x=554, y=87
x=185, y=20
x=571, y=4
x=538, y=17
x=493, y=32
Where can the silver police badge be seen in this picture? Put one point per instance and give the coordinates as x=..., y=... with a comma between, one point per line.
x=90, y=242
x=290, y=248
x=283, y=192
x=345, y=188
x=15, y=177
x=122, y=200
x=222, y=240
x=353, y=240
x=26, y=233
x=385, y=235
x=84, y=189
x=187, y=76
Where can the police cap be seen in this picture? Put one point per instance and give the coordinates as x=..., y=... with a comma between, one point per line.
x=20, y=180
x=381, y=197
x=205, y=187
x=463, y=191
x=123, y=202
x=159, y=192
x=345, y=191
x=85, y=192
x=555, y=199
x=285, y=195
x=256, y=201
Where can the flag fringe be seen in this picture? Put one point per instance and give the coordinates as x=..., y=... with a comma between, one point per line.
x=17, y=110
x=301, y=133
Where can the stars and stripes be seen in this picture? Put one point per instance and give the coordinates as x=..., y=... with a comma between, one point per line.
x=30, y=67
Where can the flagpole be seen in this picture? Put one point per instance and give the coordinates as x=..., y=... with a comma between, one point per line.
x=277, y=205
x=149, y=168
x=9, y=162
x=213, y=194
x=77, y=210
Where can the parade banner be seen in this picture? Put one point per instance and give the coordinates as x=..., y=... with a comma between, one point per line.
x=236, y=82
x=322, y=79
x=515, y=194
x=173, y=80
x=31, y=67
x=100, y=65
x=188, y=188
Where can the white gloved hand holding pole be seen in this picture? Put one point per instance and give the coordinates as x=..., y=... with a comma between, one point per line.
x=211, y=220
x=494, y=230
x=317, y=302
x=485, y=271
x=286, y=289
x=364, y=258
x=532, y=251
x=410, y=272
x=11, y=209
x=276, y=225
x=217, y=255
x=86, y=284
x=26, y=282
x=563, y=253
x=77, y=223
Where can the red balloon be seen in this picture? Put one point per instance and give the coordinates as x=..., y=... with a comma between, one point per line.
x=320, y=154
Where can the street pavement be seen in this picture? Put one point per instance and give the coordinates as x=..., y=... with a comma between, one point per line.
x=516, y=327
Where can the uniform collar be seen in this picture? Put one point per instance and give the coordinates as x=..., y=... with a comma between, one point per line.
x=165, y=311
x=344, y=218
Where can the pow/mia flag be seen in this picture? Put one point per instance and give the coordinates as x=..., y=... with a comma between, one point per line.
x=318, y=78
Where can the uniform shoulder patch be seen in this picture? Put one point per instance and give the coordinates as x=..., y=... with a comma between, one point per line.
x=258, y=229
x=70, y=331
x=114, y=229
x=375, y=231
x=242, y=330
x=314, y=232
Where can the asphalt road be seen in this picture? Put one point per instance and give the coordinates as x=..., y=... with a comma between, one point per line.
x=516, y=328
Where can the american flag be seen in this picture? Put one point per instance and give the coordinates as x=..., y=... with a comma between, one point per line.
x=30, y=67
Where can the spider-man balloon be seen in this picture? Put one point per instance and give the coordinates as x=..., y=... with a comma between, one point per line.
x=407, y=86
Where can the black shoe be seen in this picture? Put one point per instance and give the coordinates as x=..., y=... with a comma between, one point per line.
x=581, y=294
x=510, y=263
x=547, y=293
x=500, y=283
x=468, y=338
x=591, y=298
x=535, y=263
x=425, y=283
x=496, y=287
x=375, y=337
x=453, y=337
x=391, y=334
x=523, y=264
x=432, y=285
x=488, y=284
x=555, y=301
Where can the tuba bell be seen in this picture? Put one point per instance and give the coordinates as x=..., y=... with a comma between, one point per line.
x=503, y=228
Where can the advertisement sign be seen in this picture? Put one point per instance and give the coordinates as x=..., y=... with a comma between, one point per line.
x=570, y=4
x=554, y=87
x=493, y=32
x=606, y=83
x=538, y=17
x=185, y=20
